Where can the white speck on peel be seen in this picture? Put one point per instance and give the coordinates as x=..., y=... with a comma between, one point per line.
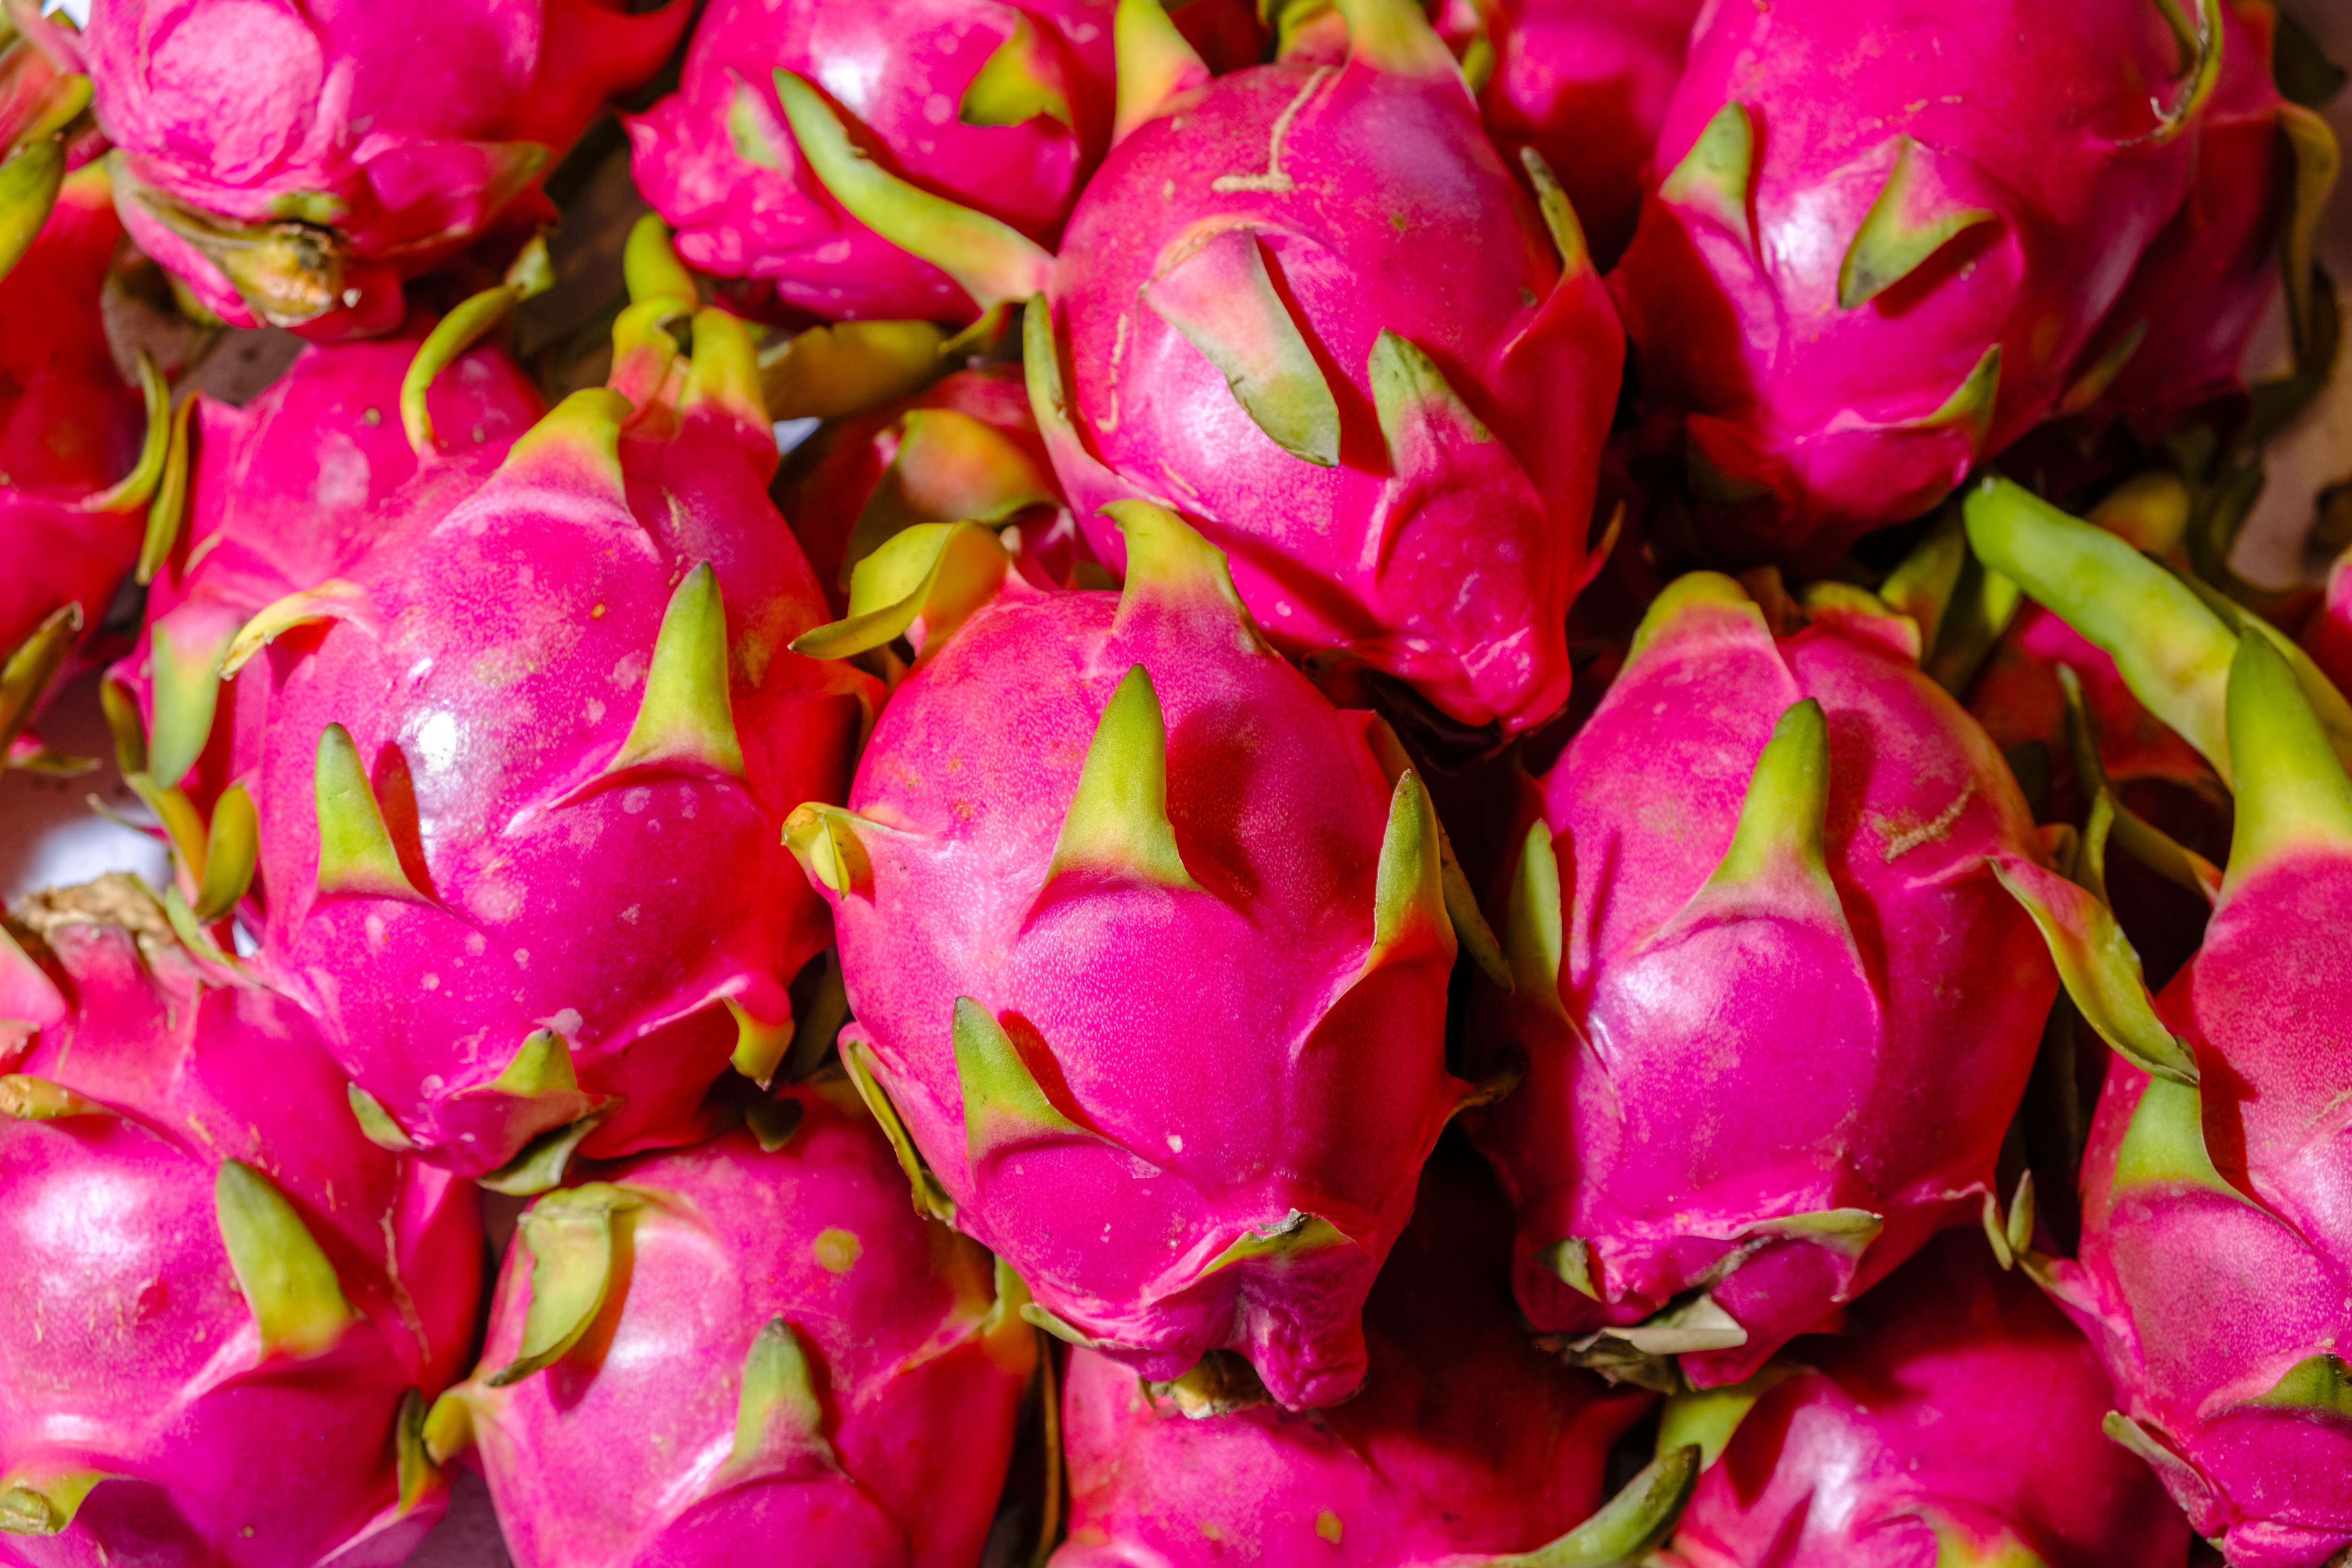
x=633, y=801
x=630, y=914
x=595, y=710
x=1281, y=609
x=431, y=983
x=432, y=1084
x=373, y=926
x=1176, y=1141
x=629, y=669
x=522, y=958
x=475, y=944
x=937, y=108
x=567, y=1022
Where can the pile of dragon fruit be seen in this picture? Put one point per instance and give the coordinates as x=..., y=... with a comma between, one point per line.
x=1103, y=784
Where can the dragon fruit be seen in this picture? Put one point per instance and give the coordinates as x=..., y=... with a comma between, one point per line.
x=1775, y=1022
x=704, y=1352
x=1467, y=1446
x=1586, y=84
x=1849, y=296
x=1248, y=327
x=2210, y=1275
x=2327, y=635
x=222, y=1310
x=1003, y=108
x=963, y=449
x=1177, y=1054
x=73, y=472
x=556, y=683
x=293, y=164
x=2263, y=171
x=45, y=124
x=276, y=494
x=1955, y=1425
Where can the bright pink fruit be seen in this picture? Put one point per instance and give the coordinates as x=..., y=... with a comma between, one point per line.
x=1003, y=108
x=521, y=793
x=1776, y=1009
x=70, y=428
x=714, y=1354
x=1882, y=239
x=2213, y=1274
x=293, y=164
x=1146, y=953
x=1466, y=1443
x=1954, y=1424
x=1261, y=319
x=2327, y=635
x=963, y=448
x=222, y=1310
x=1585, y=83
x=280, y=493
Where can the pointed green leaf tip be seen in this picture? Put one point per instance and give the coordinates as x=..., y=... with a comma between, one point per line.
x=155, y=452
x=1715, y=175
x=1395, y=37
x=1408, y=392
x=778, y=1408
x=231, y=846
x=2164, y=1144
x=1708, y=1418
x=1629, y=1526
x=1903, y=229
x=1117, y=821
x=1219, y=295
x=27, y=1099
x=2321, y=1385
x=686, y=722
x=2172, y=651
x=989, y=260
x=2097, y=962
x=1016, y=83
x=939, y=572
x=1170, y=565
x=650, y=266
x=288, y=1281
x=455, y=333
x=48, y=1509
x=183, y=656
x=29, y=184
x=572, y=1250
x=356, y=858
x=1559, y=215
x=2293, y=794
x=1409, y=898
x=580, y=440
x=1155, y=64
x=1783, y=819
x=1533, y=937
x=1972, y=403
x=1003, y=1107
x=932, y=1200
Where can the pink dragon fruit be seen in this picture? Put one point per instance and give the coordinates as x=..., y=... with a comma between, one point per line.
x=704, y=1353
x=45, y=124
x=1178, y=1053
x=2264, y=169
x=2327, y=635
x=520, y=799
x=1586, y=84
x=1469, y=1445
x=1775, y=1024
x=73, y=473
x=964, y=449
x=1003, y=108
x=1955, y=1425
x=1247, y=326
x=294, y=162
x=1884, y=238
x=278, y=494
x=222, y=1310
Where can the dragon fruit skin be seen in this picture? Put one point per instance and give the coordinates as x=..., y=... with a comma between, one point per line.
x=2211, y=1274
x=1402, y=467
x=293, y=164
x=1958, y=1426
x=1467, y=1440
x=1823, y=954
x=232, y=1424
x=1121, y=795
x=560, y=686
x=1980, y=188
x=2327, y=635
x=70, y=428
x=881, y=470
x=630, y=1452
x=1586, y=83
x=280, y=491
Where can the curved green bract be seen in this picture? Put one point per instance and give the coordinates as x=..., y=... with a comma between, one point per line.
x=574, y=1251
x=450, y=338
x=1220, y=296
x=1003, y=1106
x=685, y=721
x=1716, y=174
x=2293, y=794
x=1629, y=1526
x=1154, y=62
x=1117, y=825
x=1896, y=237
x=297, y=1301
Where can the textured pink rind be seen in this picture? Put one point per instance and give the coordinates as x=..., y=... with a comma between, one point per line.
x=283, y=490
x=2327, y=635
x=251, y=112
x=617, y=1455
x=1586, y=83
x=130, y=1348
x=1722, y=1066
x=1449, y=565
x=2201, y=1299
x=1958, y=1402
x=1466, y=1439
x=720, y=163
x=492, y=661
x=1817, y=420
x=70, y=426
x=1228, y=1062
